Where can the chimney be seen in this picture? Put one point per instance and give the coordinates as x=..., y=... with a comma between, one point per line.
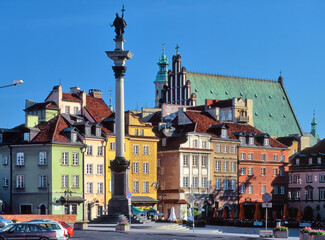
x=96, y=93
x=75, y=90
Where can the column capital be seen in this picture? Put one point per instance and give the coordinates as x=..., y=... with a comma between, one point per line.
x=119, y=71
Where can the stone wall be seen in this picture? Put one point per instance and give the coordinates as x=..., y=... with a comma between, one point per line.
x=28, y=217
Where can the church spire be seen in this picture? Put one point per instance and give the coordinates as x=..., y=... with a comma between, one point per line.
x=314, y=126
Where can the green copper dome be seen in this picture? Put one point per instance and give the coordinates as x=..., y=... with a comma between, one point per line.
x=162, y=75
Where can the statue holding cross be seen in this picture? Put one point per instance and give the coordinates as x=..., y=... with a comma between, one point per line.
x=119, y=25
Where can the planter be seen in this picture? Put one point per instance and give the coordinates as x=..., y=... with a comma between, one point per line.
x=303, y=236
x=80, y=226
x=280, y=234
x=122, y=227
x=316, y=237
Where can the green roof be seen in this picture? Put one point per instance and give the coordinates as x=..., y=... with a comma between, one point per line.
x=272, y=110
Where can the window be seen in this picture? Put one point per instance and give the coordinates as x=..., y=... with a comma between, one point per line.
x=282, y=190
x=322, y=178
x=141, y=132
x=263, y=157
x=297, y=179
x=89, y=150
x=226, y=149
x=266, y=142
x=281, y=171
x=135, y=149
x=89, y=169
x=26, y=136
x=145, y=186
x=185, y=181
x=275, y=172
x=310, y=161
x=251, y=140
x=87, y=131
x=112, y=146
x=67, y=109
x=42, y=158
x=42, y=181
x=263, y=171
x=233, y=166
x=65, y=181
x=297, y=195
x=136, y=132
x=242, y=140
x=90, y=188
x=204, y=183
x=223, y=133
x=185, y=160
x=195, y=143
x=146, y=150
x=65, y=158
x=218, y=184
x=250, y=189
x=5, y=182
x=229, y=115
x=250, y=171
x=100, y=187
x=282, y=158
x=146, y=168
x=225, y=184
x=319, y=160
x=233, y=149
x=195, y=182
x=20, y=181
x=98, y=131
x=218, y=148
x=75, y=183
x=290, y=178
x=289, y=195
x=136, y=186
x=204, y=161
x=250, y=156
x=195, y=160
x=297, y=161
x=135, y=167
x=100, y=169
x=275, y=158
x=225, y=166
x=222, y=116
x=100, y=151
x=75, y=159
x=218, y=166
x=20, y=159
x=242, y=156
x=263, y=189
x=321, y=194
x=275, y=190
x=233, y=184
x=204, y=144
x=242, y=171
x=75, y=110
x=242, y=189
x=5, y=160
x=309, y=194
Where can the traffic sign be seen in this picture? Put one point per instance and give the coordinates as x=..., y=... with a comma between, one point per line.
x=267, y=197
x=266, y=205
x=129, y=194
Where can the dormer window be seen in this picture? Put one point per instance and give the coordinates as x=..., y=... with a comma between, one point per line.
x=310, y=161
x=98, y=131
x=224, y=133
x=75, y=110
x=297, y=161
x=73, y=137
x=1, y=138
x=87, y=131
x=195, y=143
x=251, y=140
x=266, y=142
x=242, y=140
x=26, y=136
x=204, y=144
x=67, y=109
x=319, y=160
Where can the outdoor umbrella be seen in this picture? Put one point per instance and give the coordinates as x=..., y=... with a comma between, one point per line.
x=172, y=215
x=224, y=214
x=241, y=212
x=285, y=213
x=257, y=214
x=136, y=210
x=232, y=215
x=299, y=214
x=215, y=215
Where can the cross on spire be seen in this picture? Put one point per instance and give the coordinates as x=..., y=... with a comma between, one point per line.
x=123, y=10
x=163, y=44
x=177, y=47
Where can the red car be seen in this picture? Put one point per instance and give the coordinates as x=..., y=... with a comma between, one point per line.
x=68, y=227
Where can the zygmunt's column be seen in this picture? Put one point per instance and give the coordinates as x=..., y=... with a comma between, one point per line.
x=118, y=204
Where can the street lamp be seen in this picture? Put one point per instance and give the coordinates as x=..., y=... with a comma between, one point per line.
x=162, y=197
x=16, y=82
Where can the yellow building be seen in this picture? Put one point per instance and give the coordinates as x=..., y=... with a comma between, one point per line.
x=141, y=151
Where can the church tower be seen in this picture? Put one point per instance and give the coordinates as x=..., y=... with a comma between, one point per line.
x=161, y=78
x=314, y=126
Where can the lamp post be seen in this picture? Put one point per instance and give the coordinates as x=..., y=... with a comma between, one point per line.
x=16, y=82
x=162, y=197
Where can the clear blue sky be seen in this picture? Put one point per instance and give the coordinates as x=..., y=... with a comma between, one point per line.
x=44, y=41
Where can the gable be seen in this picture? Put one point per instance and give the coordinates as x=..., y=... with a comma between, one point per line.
x=272, y=110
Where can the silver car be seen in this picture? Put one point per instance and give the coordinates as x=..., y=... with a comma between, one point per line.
x=4, y=222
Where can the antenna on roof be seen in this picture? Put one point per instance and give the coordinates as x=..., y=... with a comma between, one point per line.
x=60, y=81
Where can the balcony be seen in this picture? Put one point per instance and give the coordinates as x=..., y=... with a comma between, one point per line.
x=242, y=119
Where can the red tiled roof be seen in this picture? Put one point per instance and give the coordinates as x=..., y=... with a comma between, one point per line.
x=219, y=103
x=97, y=108
x=70, y=97
x=37, y=106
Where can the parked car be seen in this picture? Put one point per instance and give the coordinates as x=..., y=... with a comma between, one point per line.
x=61, y=232
x=41, y=220
x=68, y=227
x=26, y=231
x=4, y=222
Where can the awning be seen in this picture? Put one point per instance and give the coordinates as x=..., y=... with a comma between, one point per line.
x=71, y=200
x=143, y=200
